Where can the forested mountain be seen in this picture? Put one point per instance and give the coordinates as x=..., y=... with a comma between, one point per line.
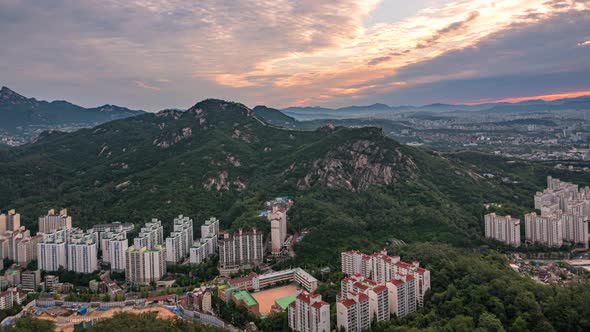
x=24, y=117
x=354, y=188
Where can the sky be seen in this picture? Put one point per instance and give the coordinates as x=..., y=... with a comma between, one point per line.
x=156, y=54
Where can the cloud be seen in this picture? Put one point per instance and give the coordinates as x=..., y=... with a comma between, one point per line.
x=277, y=52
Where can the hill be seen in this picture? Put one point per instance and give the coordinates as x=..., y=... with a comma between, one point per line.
x=274, y=116
x=219, y=159
x=25, y=117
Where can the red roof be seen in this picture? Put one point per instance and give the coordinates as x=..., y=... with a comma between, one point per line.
x=361, y=286
x=348, y=302
x=421, y=270
x=404, y=265
x=241, y=280
x=363, y=297
x=319, y=304
x=160, y=298
x=379, y=289
x=397, y=282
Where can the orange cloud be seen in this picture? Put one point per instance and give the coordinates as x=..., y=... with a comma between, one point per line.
x=548, y=97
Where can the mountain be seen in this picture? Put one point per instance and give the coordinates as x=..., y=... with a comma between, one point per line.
x=26, y=117
x=385, y=111
x=218, y=158
x=274, y=116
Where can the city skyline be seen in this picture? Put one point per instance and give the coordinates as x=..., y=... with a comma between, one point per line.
x=158, y=54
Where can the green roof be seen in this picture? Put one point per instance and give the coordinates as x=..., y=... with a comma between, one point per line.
x=284, y=302
x=245, y=296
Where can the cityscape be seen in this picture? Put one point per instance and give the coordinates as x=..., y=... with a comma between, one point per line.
x=294, y=166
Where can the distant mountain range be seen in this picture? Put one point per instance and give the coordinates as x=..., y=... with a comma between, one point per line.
x=19, y=114
x=382, y=110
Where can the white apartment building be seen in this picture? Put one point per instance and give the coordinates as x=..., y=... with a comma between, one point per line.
x=544, y=229
x=203, y=249
x=9, y=221
x=382, y=268
x=377, y=293
x=502, y=228
x=151, y=235
x=402, y=295
x=308, y=313
x=240, y=248
x=210, y=228
x=117, y=251
x=278, y=226
x=53, y=221
x=353, y=312
x=51, y=251
x=82, y=252
x=174, y=245
x=26, y=249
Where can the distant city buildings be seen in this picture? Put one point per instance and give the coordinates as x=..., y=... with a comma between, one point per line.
x=503, y=229
x=308, y=313
x=82, y=252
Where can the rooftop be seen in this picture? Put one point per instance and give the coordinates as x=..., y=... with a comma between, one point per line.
x=245, y=297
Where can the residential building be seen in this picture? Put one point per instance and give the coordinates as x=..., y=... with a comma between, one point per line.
x=9, y=221
x=151, y=235
x=26, y=249
x=82, y=252
x=179, y=242
x=53, y=221
x=402, y=295
x=6, y=299
x=145, y=265
x=544, y=229
x=382, y=268
x=502, y=228
x=51, y=251
x=308, y=313
x=113, y=227
x=200, y=299
x=31, y=280
x=353, y=312
x=203, y=249
x=377, y=293
x=117, y=251
x=210, y=228
x=243, y=247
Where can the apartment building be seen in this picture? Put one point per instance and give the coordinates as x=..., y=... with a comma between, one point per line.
x=51, y=251
x=377, y=293
x=151, y=235
x=210, y=228
x=381, y=268
x=26, y=249
x=179, y=242
x=145, y=265
x=353, y=312
x=240, y=248
x=53, y=221
x=31, y=280
x=402, y=295
x=117, y=251
x=308, y=313
x=544, y=229
x=203, y=249
x=82, y=252
x=502, y=228
x=9, y=221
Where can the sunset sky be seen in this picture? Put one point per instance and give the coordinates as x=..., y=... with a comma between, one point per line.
x=154, y=54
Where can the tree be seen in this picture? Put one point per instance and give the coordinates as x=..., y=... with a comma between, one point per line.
x=488, y=322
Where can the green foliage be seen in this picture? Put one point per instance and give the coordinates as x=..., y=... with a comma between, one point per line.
x=148, y=322
x=30, y=325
